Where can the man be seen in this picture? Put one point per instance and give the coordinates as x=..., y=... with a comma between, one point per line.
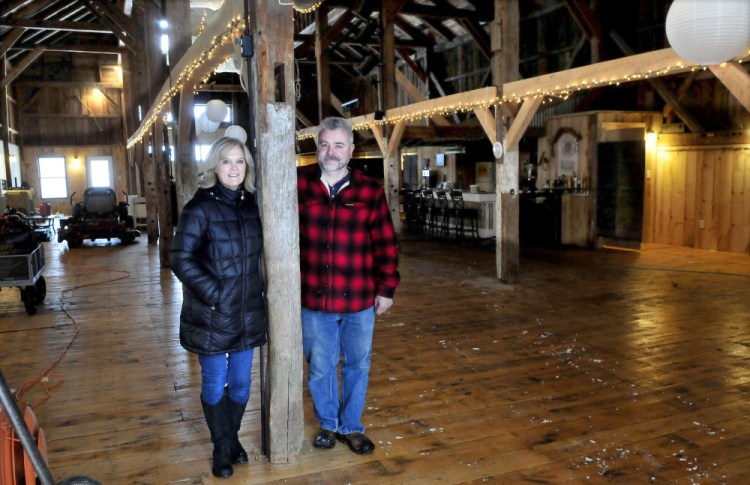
x=349, y=272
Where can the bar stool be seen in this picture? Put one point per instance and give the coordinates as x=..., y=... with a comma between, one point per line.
x=442, y=212
x=427, y=211
x=411, y=209
x=462, y=214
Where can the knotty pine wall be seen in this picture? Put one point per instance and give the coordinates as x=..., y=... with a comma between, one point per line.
x=76, y=173
x=698, y=192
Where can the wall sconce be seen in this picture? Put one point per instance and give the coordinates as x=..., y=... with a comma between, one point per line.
x=651, y=137
x=76, y=162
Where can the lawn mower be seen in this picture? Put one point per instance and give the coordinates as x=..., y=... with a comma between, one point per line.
x=99, y=216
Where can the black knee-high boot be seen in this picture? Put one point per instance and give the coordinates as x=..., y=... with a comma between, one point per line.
x=218, y=424
x=235, y=411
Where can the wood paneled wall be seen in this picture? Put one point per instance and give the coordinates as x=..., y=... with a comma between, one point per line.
x=698, y=193
x=70, y=114
x=76, y=172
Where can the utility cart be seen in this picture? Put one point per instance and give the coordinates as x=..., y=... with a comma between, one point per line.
x=25, y=272
x=22, y=261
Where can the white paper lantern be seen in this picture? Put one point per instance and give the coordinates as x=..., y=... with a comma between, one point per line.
x=236, y=131
x=206, y=124
x=709, y=32
x=216, y=110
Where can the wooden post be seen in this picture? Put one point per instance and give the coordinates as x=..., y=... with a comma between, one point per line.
x=163, y=194
x=4, y=119
x=150, y=189
x=273, y=84
x=505, y=49
x=186, y=168
x=323, y=65
x=391, y=160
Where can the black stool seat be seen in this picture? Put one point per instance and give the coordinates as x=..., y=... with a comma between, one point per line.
x=463, y=214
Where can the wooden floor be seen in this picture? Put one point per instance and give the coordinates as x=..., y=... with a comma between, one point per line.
x=598, y=367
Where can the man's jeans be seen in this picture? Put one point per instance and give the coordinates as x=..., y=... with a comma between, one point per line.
x=326, y=338
x=221, y=370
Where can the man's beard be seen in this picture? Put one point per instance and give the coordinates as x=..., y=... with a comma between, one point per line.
x=339, y=165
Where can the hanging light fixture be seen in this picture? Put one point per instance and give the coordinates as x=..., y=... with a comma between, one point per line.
x=709, y=32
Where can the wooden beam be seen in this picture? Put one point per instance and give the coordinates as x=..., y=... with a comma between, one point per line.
x=9, y=40
x=389, y=99
x=478, y=34
x=121, y=26
x=71, y=47
x=395, y=140
x=468, y=100
x=521, y=122
x=664, y=92
x=20, y=66
x=377, y=132
x=163, y=193
x=323, y=67
x=186, y=168
x=34, y=24
x=183, y=73
x=630, y=68
x=273, y=86
x=421, y=74
x=416, y=95
x=736, y=79
x=487, y=120
x=392, y=169
x=505, y=37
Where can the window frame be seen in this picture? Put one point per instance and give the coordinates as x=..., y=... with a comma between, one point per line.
x=89, y=171
x=42, y=178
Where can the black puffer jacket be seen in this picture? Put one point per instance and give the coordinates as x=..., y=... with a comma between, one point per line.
x=216, y=255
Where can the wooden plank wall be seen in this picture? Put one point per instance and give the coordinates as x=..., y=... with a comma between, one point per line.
x=699, y=192
x=70, y=114
x=76, y=172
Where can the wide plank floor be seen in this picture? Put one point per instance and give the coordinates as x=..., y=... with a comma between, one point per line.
x=597, y=367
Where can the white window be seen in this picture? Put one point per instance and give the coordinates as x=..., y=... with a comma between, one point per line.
x=52, y=178
x=99, y=171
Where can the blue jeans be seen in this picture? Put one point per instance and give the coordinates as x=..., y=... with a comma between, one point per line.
x=226, y=370
x=326, y=337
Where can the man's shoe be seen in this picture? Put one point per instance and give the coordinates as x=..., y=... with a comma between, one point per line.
x=358, y=442
x=325, y=439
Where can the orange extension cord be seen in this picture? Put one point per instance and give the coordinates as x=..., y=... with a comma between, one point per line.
x=44, y=376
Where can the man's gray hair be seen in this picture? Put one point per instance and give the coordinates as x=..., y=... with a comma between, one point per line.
x=336, y=123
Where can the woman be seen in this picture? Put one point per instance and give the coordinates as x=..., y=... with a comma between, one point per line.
x=216, y=255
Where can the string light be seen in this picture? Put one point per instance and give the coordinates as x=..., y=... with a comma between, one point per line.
x=234, y=31
x=559, y=92
x=299, y=9
x=308, y=9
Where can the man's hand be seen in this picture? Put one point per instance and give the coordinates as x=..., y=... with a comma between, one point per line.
x=382, y=304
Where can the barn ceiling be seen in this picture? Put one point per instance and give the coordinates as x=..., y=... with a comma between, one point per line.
x=554, y=36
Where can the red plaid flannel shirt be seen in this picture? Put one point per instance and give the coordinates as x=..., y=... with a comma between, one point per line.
x=348, y=250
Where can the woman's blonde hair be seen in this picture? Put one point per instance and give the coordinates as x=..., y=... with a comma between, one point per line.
x=216, y=153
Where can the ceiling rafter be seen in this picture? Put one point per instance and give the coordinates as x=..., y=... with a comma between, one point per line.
x=121, y=26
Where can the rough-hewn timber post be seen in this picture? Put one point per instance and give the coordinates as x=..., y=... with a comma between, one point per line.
x=273, y=84
x=505, y=51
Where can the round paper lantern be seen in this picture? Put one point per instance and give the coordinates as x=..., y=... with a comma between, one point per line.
x=216, y=110
x=236, y=131
x=709, y=32
x=206, y=124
